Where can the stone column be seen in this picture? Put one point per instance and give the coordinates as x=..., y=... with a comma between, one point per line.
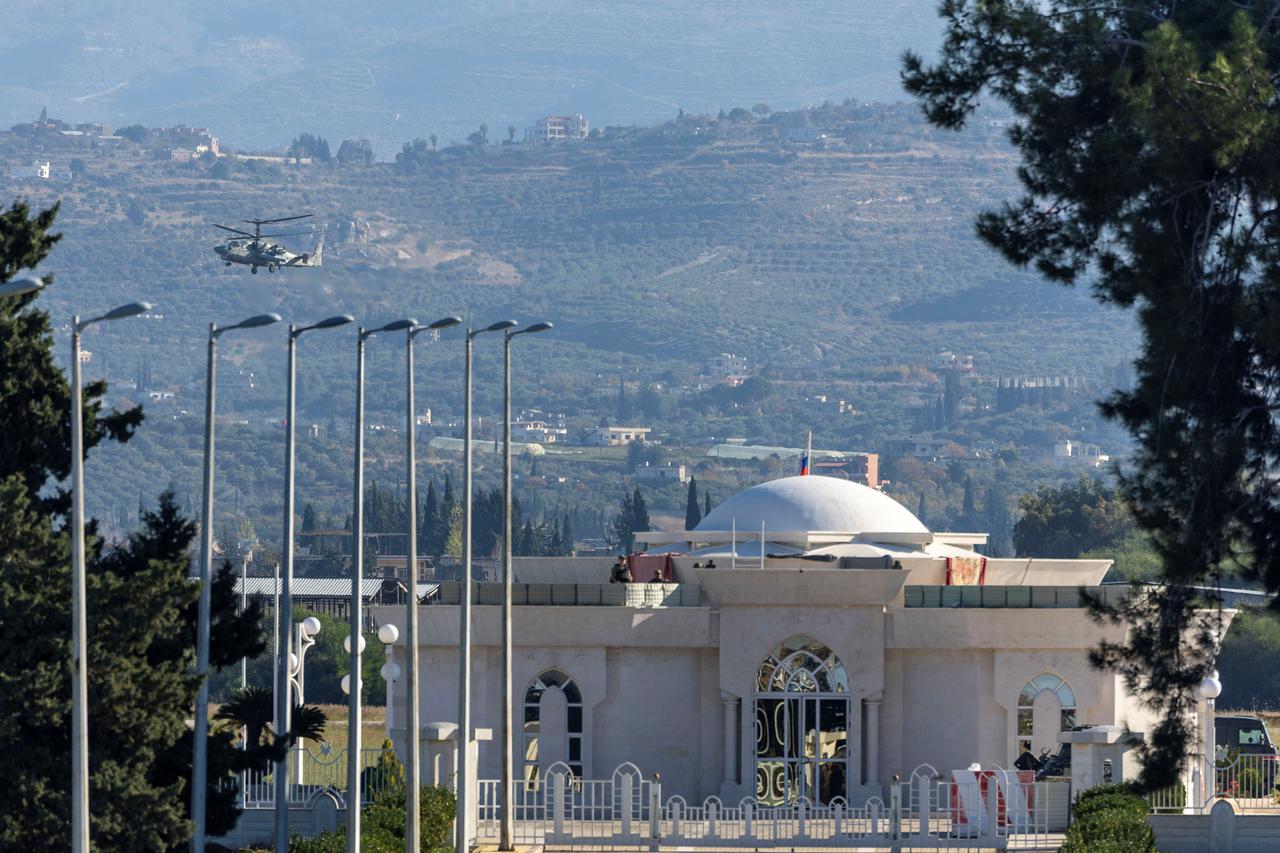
x=730, y=705
x=873, y=743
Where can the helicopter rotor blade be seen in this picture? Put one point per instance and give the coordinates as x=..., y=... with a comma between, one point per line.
x=234, y=230
x=281, y=219
x=289, y=234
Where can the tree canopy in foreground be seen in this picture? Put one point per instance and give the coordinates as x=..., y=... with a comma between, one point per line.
x=1149, y=135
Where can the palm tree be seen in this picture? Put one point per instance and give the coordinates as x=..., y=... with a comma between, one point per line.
x=252, y=709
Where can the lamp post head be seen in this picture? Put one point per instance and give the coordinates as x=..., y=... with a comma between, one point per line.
x=331, y=322
x=254, y=322
x=397, y=325
x=21, y=286
x=311, y=626
x=133, y=309
x=258, y=321
x=501, y=326
x=445, y=322
x=532, y=330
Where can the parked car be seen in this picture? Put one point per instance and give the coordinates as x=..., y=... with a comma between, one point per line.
x=1245, y=735
x=1246, y=758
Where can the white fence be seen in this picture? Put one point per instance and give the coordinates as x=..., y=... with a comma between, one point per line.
x=994, y=810
x=1247, y=781
x=322, y=773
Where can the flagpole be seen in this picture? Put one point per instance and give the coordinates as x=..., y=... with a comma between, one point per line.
x=808, y=455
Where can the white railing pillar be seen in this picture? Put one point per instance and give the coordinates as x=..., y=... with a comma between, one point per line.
x=748, y=820
x=923, y=797
x=557, y=806
x=801, y=814
x=655, y=812
x=626, y=804
x=992, y=827
x=838, y=819
x=713, y=812
x=677, y=813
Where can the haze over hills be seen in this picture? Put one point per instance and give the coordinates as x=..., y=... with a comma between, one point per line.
x=393, y=70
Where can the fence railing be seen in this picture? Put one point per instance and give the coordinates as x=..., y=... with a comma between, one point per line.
x=323, y=773
x=990, y=810
x=1248, y=781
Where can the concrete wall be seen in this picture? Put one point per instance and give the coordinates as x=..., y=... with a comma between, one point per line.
x=1220, y=831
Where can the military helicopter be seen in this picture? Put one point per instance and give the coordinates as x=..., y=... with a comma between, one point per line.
x=258, y=249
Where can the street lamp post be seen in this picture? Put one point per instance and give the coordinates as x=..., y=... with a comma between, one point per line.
x=508, y=782
x=307, y=630
x=200, y=759
x=79, y=678
x=284, y=614
x=355, y=641
x=413, y=771
x=464, y=621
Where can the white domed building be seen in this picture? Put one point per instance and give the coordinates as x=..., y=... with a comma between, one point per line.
x=813, y=639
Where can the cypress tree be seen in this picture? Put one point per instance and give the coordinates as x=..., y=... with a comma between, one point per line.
x=706, y=504
x=566, y=535
x=692, y=514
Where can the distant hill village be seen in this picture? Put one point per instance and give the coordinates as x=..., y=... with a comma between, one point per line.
x=55, y=146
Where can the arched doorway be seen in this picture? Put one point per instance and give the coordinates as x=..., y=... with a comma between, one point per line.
x=801, y=724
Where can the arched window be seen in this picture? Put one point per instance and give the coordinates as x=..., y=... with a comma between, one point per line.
x=801, y=723
x=552, y=724
x=1046, y=706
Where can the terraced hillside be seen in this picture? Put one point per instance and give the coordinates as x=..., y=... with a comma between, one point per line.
x=823, y=262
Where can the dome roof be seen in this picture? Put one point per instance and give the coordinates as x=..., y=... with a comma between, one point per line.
x=812, y=503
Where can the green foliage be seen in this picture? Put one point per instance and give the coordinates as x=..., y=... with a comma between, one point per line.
x=1149, y=136
x=1111, y=819
x=1066, y=521
x=692, y=512
x=631, y=519
x=1248, y=658
x=382, y=821
x=310, y=145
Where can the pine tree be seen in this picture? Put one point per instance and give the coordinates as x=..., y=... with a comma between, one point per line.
x=1180, y=229
x=140, y=615
x=692, y=514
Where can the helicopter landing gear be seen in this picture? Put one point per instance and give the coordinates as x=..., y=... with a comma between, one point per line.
x=253, y=270
x=271, y=267
x=228, y=263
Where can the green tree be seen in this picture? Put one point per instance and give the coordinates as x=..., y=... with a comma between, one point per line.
x=632, y=518
x=1149, y=135
x=479, y=138
x=1069, y=520
x=134, y=133
x=310, y=145
x=692, y=514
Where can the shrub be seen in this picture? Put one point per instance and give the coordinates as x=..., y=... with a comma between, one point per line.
x=1109, y=819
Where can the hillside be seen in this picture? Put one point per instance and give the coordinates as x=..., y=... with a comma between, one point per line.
x=840, y=266
x=395, y=69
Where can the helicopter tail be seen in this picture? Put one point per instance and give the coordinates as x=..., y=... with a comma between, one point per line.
x=311, y=259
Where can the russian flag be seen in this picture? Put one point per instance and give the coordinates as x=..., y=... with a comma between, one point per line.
x=804, y=465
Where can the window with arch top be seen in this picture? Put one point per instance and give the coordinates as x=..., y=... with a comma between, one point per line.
x=1046, y=706
x=552, y=724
